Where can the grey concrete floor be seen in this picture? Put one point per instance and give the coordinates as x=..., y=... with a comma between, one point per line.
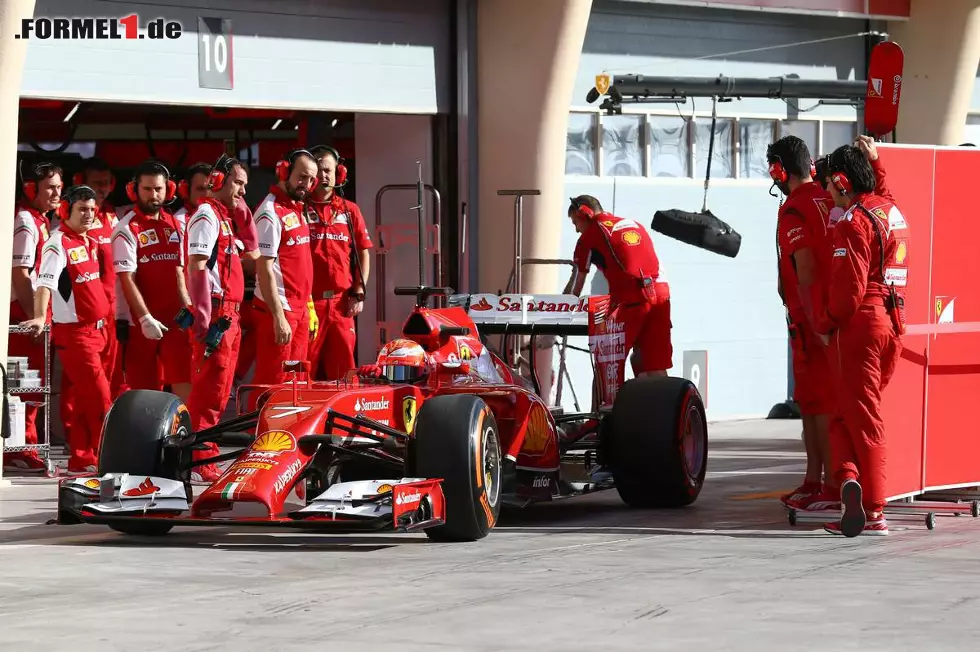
x=586, y=574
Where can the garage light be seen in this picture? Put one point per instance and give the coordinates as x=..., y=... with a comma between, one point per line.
x=334, y=123
x=72, y=112
x=276, y=126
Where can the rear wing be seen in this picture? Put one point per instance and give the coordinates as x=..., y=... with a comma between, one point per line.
x=561, y=315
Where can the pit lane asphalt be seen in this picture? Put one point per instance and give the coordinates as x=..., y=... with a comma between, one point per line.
x=586, y=574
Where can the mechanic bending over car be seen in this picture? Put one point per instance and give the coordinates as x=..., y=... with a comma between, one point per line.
x=147, y=250
x=340, y=245
x=803, y=260
x=285, y=269
x=40, y=192
x=862, y=322
x=72, y=266
x=623, y=250
x=216, y=286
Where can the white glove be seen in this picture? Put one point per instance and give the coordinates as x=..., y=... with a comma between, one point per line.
x=152, y=329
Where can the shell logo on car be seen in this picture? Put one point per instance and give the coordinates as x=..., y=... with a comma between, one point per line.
x=538, y=431
x=274, y=441
x=384, y=489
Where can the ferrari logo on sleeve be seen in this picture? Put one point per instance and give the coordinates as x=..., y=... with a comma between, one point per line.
x=409, y=412
x=602, y=83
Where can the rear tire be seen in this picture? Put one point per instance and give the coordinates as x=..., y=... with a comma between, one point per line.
x=656, y=442
x=456, y=439
x=132, y=438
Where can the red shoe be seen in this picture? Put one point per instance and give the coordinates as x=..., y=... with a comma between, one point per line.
x=24, y=462
x=819, y=502
x=854, y=520
x=876, y=527
x=207, y=474
x=805, y=490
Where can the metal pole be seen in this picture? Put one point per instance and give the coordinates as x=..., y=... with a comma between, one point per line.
x=518, y=195
x=725, y=87
x=420, y=194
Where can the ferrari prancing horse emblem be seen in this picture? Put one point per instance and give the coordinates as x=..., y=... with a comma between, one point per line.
x=409, y=410
x=602, y=83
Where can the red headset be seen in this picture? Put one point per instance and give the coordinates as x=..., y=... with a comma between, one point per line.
x=341, y=173
x=582, y=210
x=284, y=167
x=841, y=182
x=184, y=187
x=151, y=167
x=64, y=207
x=30, y=186
x=779, y=175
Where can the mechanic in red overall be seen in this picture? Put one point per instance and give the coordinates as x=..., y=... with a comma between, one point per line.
x=341, y=268
x=97, y=175
x=148, y=258
x=214, y=278
x=284, y=273
x=863, y=322
x=624, y=251
x=803, y=251
x=69, y=281
x=40, y=193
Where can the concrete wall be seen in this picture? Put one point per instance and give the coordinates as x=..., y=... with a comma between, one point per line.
x=348, y=55
x=729, y=308
x=387, y=148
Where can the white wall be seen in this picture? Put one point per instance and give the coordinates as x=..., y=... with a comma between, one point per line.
x=387, y=148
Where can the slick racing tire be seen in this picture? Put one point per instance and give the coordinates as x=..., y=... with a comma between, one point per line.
x=456, y=439
x=656, y=442
x=702, y=230
x=134, y=430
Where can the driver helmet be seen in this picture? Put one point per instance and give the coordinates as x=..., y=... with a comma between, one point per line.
x=404, y=361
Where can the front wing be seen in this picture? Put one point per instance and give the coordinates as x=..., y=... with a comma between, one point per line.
x=404, y=505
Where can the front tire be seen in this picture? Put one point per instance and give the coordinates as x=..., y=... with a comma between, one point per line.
x=656, y=442
x=456, y=439
x=132, y=439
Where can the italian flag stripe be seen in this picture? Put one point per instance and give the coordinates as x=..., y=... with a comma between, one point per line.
x=230, y=490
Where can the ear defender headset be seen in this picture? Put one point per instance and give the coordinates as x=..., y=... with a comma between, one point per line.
x=184, y=187
x=64, y=208
x=151, y=167
x=219, y=173
x=284, y=167
x=582, y=210
x=341, y=175
x=29, y=186
x=841, y=182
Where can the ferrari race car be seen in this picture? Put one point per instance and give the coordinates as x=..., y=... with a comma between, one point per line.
x=440, y=451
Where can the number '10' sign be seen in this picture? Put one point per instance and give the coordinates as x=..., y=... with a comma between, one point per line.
x=214, y=54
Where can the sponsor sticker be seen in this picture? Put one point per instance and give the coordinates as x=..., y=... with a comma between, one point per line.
x=901, y=252
x=631, y=238
x=149, y=237
x=78, y=255
x=291, y=221
x=384, y=489
x=274, y=441
x=287, y=476
x=408, y=498
x=409, y=412
x=364, y=405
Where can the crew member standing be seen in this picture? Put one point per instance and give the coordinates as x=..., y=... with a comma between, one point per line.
x=40, y=193
x=803, y=251
x=214, y=274
x=244, y=223
x=149, y=262
x=624, y=251
x=71, y=268
x=97, y=175
x=341, y=268
x=863, y=322
x=284, y=273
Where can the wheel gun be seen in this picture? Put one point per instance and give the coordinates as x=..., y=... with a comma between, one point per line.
x=215, y=333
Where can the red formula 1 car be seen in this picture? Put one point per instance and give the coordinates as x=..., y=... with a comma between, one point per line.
x=439, y=451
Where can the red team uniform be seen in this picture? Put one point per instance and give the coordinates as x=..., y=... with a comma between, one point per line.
x=332, y=352
x=284, y=235
x=624, y=251
x=106, y=220
x=71, y=268
x=865, y=329
x=31, y=232
x=803, y=224
x=210, y=233
x=151, y=249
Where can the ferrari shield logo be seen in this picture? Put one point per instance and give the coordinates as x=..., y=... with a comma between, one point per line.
x=602, y=83
x=409, y=411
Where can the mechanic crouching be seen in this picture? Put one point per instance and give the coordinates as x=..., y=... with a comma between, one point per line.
x=72, y=266
x=863, y=322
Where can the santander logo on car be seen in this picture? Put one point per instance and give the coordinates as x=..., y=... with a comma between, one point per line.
x=540, y=304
